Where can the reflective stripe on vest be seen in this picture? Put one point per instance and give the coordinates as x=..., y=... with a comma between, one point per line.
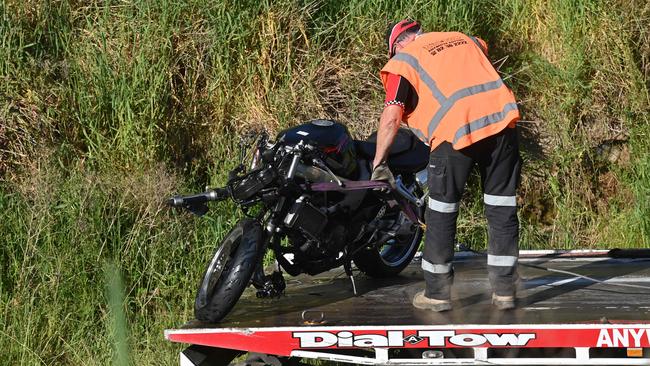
x=419, y=135
x=424, y=76
x=446, y=106
x=478, y=44
x=484, y=121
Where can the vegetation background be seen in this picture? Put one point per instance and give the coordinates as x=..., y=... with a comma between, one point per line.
x=107, y=107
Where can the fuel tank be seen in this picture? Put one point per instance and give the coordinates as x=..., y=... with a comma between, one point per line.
x=334, y=140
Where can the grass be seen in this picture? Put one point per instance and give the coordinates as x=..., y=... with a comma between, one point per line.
x=108, y=107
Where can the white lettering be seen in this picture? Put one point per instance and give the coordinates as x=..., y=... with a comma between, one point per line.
x=316, y=339
x=440, y=338
x=636, y=334
x=467, y=340
x=509, y=339
x=396, y=338
x=436, y=337
x=621, y=337
x=604, y=339
x=346, y=339
x=370, y=340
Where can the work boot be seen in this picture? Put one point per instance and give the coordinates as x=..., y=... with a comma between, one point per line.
x=503, y=302
x=422, y=302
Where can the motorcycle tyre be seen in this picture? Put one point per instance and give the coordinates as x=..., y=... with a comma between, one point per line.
x=369, y=260
x=236, y=274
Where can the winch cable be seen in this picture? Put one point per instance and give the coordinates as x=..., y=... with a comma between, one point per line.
x=577, y=275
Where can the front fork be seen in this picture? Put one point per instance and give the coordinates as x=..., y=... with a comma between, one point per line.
x=272, y=285
x=268, y=286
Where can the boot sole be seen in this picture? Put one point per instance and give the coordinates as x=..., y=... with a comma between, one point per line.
x=504, y=305
x=445, y=306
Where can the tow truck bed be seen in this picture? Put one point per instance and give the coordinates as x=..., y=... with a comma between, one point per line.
x=560, y=319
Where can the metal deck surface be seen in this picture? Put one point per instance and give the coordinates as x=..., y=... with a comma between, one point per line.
x=543, y=297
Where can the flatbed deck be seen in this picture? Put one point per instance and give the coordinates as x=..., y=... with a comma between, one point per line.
x=548, y=301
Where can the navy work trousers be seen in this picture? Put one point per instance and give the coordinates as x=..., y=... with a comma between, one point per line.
x=499, y=163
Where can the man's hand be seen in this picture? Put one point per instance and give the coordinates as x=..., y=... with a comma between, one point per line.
x=383, y=174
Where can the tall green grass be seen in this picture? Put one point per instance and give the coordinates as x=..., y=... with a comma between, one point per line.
x=108, y=107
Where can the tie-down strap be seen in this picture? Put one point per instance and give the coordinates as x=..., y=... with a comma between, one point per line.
x=355, y=185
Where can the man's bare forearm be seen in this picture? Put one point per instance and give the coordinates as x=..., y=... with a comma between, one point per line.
x=388, y=126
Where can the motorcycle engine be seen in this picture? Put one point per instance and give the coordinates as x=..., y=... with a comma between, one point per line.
x=306, y=218
x=322, y=236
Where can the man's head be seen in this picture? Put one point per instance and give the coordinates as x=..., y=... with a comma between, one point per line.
x=400, y=34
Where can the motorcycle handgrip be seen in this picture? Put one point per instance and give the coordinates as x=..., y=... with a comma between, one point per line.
x=217, y=194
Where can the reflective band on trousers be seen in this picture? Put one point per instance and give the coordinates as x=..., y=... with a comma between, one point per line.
x=443, y=207
x=500, y=200
x=436, y=268
x=501, y=260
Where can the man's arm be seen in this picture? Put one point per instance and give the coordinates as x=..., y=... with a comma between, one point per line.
x=388, y=126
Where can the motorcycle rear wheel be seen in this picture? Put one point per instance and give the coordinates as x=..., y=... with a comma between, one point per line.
x=391, y=259
x=229, y=272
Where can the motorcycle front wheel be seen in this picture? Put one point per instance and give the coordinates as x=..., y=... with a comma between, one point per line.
x=229, y=272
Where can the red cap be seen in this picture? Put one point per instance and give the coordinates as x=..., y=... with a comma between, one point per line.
x=395, y=30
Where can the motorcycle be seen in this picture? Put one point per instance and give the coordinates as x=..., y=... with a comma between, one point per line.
x=308, y=198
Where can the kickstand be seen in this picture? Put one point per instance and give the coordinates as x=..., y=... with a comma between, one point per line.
x=348, y=271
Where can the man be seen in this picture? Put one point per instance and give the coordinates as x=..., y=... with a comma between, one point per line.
x=443, y=86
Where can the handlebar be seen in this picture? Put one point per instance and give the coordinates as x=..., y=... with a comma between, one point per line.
x=217, y=194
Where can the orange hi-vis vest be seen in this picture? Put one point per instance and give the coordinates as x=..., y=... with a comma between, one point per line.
x=461, y=97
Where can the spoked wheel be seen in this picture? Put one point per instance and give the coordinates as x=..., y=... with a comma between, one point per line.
x=229, y=271
x=391, y=258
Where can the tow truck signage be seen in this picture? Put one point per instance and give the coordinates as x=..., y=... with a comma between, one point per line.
x=422, y=338
x=623, y=338
x=284, y=341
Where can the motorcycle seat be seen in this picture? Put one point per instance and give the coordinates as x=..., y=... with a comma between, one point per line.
x=407, y=153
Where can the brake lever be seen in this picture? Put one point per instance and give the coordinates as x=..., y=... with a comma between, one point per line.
x=324, y=166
